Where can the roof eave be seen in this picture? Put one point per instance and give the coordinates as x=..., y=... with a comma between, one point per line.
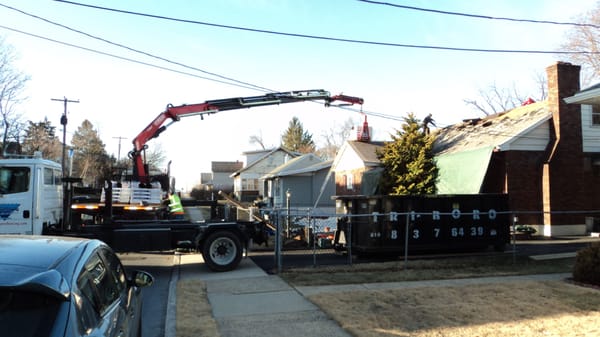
x=585, y=97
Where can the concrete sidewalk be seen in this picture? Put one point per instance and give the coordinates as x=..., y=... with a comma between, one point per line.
x=249, y=302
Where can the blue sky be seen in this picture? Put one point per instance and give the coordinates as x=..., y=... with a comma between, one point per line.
x=120, y=98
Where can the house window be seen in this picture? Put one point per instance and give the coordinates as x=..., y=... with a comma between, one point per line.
x=595, y=115
x=349, y=182
x=249, y=184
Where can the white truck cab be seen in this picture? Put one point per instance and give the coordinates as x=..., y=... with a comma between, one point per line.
x=31, y=195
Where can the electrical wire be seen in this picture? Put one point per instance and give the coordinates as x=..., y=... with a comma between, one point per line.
x=244, y=84
x=122, y=57
x=477, y=16
x=368, y=113
x=315, y=37
x=238, y=83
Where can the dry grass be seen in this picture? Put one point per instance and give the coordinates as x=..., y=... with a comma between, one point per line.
x=194, y=314
x=434, y=269
x=527, y=310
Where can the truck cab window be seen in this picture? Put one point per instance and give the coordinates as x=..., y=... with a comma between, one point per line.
x=48, y=176
x=14, y=179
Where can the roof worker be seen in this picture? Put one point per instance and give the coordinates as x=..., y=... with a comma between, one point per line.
x=426, y=122
x=175, y=206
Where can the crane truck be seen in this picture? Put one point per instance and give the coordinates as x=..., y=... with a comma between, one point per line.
x=131, y=213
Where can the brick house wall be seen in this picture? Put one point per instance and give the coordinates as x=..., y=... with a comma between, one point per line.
x=518, y=173
x=341, y=181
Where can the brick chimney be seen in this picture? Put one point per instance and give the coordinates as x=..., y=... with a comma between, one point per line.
x=563, y=81
x=562, y=180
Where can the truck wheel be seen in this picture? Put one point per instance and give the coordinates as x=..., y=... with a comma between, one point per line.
x=222, y=251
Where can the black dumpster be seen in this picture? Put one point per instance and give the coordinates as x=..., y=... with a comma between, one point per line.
x=435, y=222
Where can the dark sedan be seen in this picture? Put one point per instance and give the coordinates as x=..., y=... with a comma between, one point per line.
x=60, y=286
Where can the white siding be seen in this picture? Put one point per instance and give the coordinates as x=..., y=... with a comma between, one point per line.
x=589, y=132
x=349, y=160
x=535, y=140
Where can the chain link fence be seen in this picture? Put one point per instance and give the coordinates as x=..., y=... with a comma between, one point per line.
x=305, y=237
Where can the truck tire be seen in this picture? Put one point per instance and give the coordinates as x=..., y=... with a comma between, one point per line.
x=222, y=251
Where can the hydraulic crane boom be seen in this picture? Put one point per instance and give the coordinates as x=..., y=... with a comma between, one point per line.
x=175, y=113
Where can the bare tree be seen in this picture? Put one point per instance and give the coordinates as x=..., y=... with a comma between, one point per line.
x=334, y=138
x=155, y=157
x=12, y=85
x=494, y=99
x=257, y=139
x=584, y=38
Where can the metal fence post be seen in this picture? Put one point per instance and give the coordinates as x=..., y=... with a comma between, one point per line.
x=406, y=242
x=277, y=242
x=349, y=239
x=312, y=235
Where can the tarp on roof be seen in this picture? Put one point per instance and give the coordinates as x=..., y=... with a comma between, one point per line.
x=370, y=181
x=463, y=172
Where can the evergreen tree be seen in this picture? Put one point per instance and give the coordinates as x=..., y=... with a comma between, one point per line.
x=90, y=162
x=41, y=136
x=408, y=161
x=297, y=139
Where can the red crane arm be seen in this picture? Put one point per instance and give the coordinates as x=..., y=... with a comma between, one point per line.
x=175, y=113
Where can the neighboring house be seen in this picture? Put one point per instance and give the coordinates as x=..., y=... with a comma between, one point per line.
x=247, y=183
x=219, y=179
x=544, y=155
x=357, y=168
x=307, y=182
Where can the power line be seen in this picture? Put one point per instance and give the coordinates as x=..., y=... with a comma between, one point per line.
x=478, y=16
x=239, y=83
x=123, y=58
x=252, y=86
x=134, y=50
x=315, y=37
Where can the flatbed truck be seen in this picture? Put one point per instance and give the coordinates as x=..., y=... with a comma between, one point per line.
x=131, y=214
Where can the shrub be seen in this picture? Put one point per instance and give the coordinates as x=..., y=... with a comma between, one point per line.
x=587, y=265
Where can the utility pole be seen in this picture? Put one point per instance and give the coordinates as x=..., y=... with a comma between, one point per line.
x=63, y=122
x=66, y=191
x=119, y=150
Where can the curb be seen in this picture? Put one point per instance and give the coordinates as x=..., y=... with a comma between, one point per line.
x=170, y=317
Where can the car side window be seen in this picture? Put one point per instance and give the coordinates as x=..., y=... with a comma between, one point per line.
x=102, y=283
x=87, y=303
x=115, y=269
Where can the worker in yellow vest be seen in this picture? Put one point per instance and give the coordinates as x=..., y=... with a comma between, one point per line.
x=175, y=206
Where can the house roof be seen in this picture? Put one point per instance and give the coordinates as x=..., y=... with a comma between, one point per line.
x=366, y=151
x=266, y=154
x=496, y=130
x=306, y=163
x=226, y=166
x=590, y=95
x=473, y=142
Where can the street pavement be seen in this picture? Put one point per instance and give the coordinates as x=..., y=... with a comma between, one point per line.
x=249, y=302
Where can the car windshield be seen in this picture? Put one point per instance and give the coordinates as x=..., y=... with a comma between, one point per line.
x=26, y=313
